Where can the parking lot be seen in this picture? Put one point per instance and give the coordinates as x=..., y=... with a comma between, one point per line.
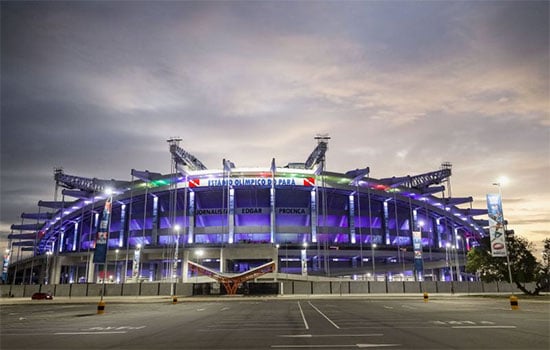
x=278, y=323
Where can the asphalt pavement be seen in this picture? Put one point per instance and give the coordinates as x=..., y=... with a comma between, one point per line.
x=384, y=322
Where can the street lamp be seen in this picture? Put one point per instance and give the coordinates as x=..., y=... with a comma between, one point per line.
x=175, y=265
x=372, y=246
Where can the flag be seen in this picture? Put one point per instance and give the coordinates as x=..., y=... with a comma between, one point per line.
x=102, y=238
x=496, y=225
x=273, y=167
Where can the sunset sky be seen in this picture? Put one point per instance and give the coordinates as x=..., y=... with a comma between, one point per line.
x=97, y=87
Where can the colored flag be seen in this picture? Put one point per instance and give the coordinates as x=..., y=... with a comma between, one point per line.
x=102, y=238
x=496, y=225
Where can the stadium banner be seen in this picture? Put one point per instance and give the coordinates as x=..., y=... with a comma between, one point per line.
x=102, y=239
x=5, y=264
x=252, y=181
x=496, y=225
x=417, y=246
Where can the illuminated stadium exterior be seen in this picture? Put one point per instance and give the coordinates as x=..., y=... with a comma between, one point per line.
x=308, y=220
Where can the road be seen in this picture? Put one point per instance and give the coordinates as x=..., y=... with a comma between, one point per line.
x=279, y=323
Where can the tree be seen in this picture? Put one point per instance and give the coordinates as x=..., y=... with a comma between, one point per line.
x=524, y=266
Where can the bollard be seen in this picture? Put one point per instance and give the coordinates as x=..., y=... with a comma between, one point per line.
x=425, y=297
x=100, y=307
x=514, y=302
x=174, y=299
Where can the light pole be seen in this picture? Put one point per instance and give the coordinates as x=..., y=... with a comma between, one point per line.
x=499, y=183
x=109, y=193
x=420, y=272
x=175, y=265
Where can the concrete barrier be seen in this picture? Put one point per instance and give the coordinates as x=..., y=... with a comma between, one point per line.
x=340, y=287
x=94, y=290
x=321, y=287
x=490, y=287
x=18, y=291
x=130, y=289
x=358, y=287
x=377, y=287
x=79, y=290
x=444, y=287
x=460, y=287
x=302, y=287
x=288, y=288
x=411, y=287
x=184, y=289
x=30, y=289
x=149, y=289
x=113, y=290
x=395, y=287
x=5, y=290
x=166, y=288
x=429, y=286
x=475, y=287
x=506, y=287
x=63, y=290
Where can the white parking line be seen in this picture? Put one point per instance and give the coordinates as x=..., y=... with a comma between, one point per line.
x=81, y=333
x=303, y=316
x=339, y=346
x=325, y=316
x=329, y=335
x=470, y=327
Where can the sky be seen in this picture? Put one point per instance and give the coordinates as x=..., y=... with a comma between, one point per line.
x=97, y=87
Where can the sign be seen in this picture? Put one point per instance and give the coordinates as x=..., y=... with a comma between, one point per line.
x=252, y=181
x=253, y=211
x=496, y=225
x=102, y=238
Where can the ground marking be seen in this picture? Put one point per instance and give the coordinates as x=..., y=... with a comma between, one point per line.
x=325, y=316
x=330, y=335
x=339, y=346
x=114, y=328
x=303, y=316
x=470, y=327
x=82, y=333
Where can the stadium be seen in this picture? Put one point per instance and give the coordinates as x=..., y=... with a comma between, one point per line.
x=306, y=220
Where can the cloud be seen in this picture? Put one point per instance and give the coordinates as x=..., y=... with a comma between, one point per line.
x=400, y=87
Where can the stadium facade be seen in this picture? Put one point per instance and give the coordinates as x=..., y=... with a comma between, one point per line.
x=306, y=219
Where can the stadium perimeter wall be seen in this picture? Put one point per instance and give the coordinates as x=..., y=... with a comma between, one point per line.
x=284, y=288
